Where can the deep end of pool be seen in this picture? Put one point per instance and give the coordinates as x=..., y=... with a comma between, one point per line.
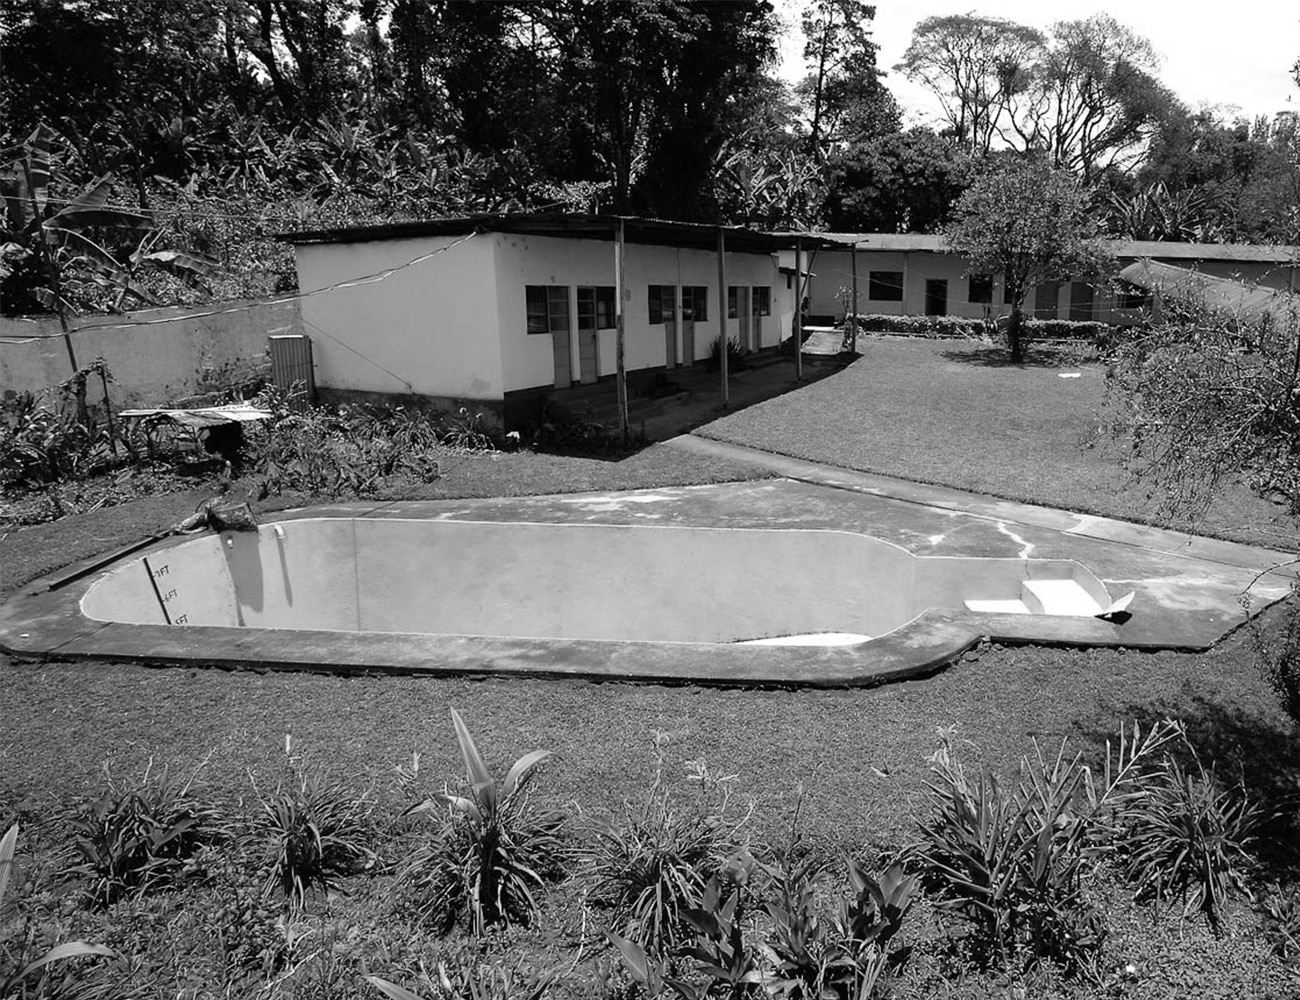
x=774, y=583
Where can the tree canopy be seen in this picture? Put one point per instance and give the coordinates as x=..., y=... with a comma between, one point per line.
x=1029, y=222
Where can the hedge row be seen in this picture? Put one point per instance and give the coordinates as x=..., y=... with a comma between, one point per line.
x=959, y=326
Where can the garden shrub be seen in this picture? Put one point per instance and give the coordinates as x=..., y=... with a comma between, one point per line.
x=842, y=953
x=1281, y=913
x=312, y=831
x=1068, y=329
x=140, y=836
x=1187, y=836
x=1200, y=396
x=795, y=947
x=1012, y=860
x=961, y=326
x=40, y=445
x=490, y=850
x=652, y=863
x=349, y=451
x=736, y=360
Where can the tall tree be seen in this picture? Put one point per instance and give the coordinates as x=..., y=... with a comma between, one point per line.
x=845, y=98
x=903, y=183
x=642, y=84
x=301, y=46
x=720, y=64
x=1092, y=101
x=1030, y=223
x=974, y=66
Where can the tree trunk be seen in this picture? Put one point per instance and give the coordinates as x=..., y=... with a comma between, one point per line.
x=1015, y=335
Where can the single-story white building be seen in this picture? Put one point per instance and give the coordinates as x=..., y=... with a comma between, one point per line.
x=500, y=310
x=914, y=275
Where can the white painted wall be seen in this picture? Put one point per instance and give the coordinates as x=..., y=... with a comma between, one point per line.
x=170, y=355
x=528, y=360
x=430, y=328
x=833, y=270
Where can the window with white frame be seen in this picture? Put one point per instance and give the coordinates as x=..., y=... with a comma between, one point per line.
x=547, y=308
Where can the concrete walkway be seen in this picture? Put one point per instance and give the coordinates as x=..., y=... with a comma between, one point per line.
x=1274, y=562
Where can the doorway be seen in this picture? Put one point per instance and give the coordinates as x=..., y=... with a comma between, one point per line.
x=588, y=335
x=936, y=296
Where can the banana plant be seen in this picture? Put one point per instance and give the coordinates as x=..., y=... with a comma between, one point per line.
x=63, y=239
x=12, y=979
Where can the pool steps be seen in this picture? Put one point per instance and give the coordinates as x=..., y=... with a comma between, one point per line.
x=1043, y=597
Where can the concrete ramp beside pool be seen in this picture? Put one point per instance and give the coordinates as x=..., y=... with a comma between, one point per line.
x=774, y=582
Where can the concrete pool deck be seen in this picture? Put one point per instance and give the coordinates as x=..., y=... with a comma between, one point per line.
x=1186, y=589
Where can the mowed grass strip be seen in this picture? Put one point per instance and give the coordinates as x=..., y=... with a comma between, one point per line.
x=859, y=756
x=954, y=413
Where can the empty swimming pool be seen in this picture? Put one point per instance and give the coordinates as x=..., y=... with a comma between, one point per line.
x=770, y=582
x=636, y=583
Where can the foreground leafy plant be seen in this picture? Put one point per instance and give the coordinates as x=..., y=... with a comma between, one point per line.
x=725, y=961
x=651, y=865
x=1011, y=860
x=1189, y=837
x=41, y=443
x=1281, y=913
x=843, y=953
x=137, y=837
x=17, y=970
x=474, y=982
x=313, y=832
x=805, y=952
x=491, y=849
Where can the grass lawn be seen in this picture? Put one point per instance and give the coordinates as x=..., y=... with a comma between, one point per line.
x=857, y=757
x=956, y=414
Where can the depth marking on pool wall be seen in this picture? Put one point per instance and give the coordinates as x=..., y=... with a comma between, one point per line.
x=164, y=597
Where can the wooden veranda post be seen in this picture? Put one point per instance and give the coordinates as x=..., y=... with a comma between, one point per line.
x=798, y=310
x=620, y=377
x=722, y=312
x=853, y=256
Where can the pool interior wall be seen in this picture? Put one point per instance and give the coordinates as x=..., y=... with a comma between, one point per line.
x=562, y=581
x=1186, y=589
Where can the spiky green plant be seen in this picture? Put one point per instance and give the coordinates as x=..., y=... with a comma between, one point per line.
x=1189, y=837
x=491, y=849
x=17, y=972
x=313, y=832
x=138, y=836
x=647, y=866
x=1011, y=858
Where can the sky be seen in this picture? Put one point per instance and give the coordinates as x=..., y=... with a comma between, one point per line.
x=1239, y=57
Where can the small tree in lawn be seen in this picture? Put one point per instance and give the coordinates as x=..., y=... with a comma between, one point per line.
x=1030, y=223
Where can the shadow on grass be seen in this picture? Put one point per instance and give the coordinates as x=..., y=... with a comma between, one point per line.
x=1261, y=753
x=989, y=356
x=688, y=403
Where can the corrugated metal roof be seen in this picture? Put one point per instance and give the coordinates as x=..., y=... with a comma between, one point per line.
x=1242, y=300
x=654, y=232
x=1137, y=249
x=1245, y=252
x=663, y=232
